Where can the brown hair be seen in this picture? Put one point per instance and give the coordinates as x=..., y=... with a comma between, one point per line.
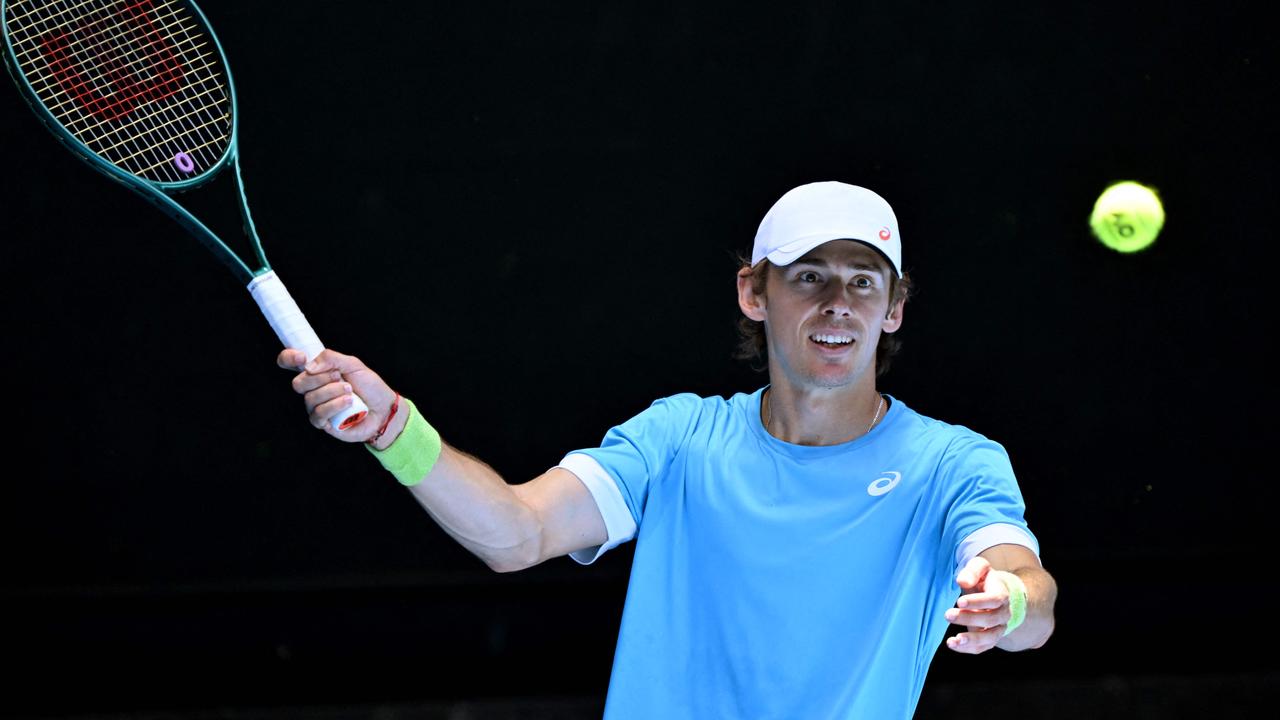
x=753, y=348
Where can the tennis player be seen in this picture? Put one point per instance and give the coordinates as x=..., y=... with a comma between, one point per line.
x=800, y=550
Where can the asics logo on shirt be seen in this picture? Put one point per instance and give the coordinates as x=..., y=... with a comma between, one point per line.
x=883, y=484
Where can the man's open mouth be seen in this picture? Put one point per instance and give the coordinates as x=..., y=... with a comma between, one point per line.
x=829, y=340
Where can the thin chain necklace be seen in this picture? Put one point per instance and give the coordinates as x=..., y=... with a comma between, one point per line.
x=768, y=413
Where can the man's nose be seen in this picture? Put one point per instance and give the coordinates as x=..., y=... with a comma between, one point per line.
x=836, y=301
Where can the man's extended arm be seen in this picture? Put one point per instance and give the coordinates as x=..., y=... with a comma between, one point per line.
x=509, y=527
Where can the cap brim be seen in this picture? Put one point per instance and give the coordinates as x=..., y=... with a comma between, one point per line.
x=794, y=250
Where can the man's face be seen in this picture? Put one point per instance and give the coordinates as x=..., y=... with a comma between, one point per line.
x=823, y=315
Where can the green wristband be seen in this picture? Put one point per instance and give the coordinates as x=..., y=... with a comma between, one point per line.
x=414, y=452
x=1017, y=600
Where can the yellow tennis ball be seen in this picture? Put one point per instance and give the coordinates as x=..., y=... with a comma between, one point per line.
x=1127, y=217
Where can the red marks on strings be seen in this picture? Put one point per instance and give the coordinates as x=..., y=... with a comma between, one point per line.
x=115, y=62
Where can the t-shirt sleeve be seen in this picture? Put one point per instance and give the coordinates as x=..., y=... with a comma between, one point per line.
x=986, y=503
x=618, y=521
x=634, y=455
x=991, y=535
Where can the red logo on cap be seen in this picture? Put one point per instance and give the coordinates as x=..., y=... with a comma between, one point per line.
x=884, y=233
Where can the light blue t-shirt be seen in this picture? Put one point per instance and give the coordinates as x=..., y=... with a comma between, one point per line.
x=773, y=580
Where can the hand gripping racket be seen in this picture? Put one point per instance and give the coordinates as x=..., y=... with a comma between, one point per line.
x=140, y=90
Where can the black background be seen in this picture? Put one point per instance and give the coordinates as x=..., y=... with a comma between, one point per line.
x=525, y=216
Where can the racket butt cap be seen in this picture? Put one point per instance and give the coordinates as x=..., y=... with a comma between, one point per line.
x=350, y=417
x=353, y=420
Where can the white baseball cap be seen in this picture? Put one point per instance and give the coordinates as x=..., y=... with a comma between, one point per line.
x=820, y=212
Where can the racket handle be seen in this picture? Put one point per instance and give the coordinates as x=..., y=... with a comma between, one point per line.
x=294, y=331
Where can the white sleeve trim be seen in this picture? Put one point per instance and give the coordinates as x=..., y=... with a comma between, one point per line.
x=990, y=536
x=613, y=508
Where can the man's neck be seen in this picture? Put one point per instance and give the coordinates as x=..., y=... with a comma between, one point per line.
x=821, y=416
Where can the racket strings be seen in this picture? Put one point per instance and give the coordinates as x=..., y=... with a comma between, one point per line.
x=136, y=81
x=59, y=51
x=159, y=49
x=95, y=133
x=136, y=66
x=110, y=34
x=143, y=126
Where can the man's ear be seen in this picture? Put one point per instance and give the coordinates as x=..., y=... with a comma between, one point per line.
x=751, y=304
x=893, y=320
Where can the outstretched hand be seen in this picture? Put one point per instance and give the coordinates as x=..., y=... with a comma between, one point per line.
x=983, y=608
x=327, y=385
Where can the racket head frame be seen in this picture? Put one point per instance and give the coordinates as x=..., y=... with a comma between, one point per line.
x=156, y=191
x=275, y=301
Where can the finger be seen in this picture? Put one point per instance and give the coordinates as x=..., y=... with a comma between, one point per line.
x=325, y=393
x=982, y=601
x=957, y=616
x=326, y=410
x=304, y=383
x=975, y=641
x=333, y=360
x=291, y=359
x=973, y=573
x=978, y=620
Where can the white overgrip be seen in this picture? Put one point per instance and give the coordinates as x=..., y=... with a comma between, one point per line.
x=291, y=326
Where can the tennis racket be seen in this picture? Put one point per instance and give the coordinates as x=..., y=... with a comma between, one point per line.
x=140, y=90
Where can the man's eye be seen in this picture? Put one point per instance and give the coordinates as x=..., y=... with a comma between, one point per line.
x=809, y=277
x=862, y=282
